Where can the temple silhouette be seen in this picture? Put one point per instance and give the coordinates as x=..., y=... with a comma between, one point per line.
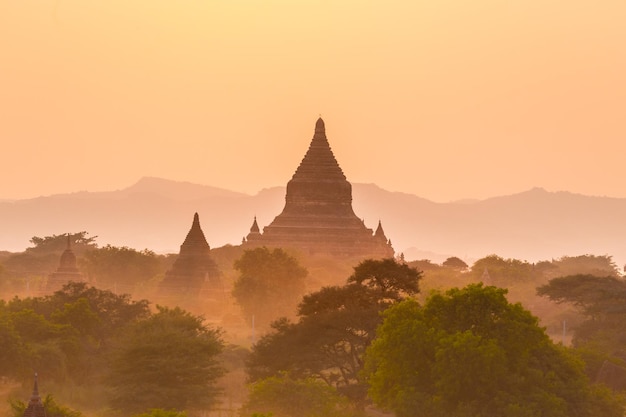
x=193, y=271
x=318, y=217
x=35, y=406
x=66, y=272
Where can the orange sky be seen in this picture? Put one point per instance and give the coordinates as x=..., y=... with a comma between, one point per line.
x=444, y=99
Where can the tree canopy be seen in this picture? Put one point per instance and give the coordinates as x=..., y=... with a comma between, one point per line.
x=283, y=396
x=167, y=361
x=469, y=352
x=269, y=285
x=334, y=327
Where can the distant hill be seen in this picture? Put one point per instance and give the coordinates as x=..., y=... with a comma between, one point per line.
x=156, y=214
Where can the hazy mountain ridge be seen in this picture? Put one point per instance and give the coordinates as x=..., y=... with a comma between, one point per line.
x=156, y=214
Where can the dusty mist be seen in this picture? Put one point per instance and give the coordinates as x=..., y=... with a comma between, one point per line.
x=521, y=278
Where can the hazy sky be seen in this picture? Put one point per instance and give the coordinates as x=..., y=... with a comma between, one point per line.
x=445, y=99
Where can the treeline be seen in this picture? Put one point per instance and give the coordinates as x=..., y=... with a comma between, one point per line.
x=415, y=338
x=112, y=352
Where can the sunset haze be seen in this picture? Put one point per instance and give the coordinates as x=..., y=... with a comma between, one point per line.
x=446, y=100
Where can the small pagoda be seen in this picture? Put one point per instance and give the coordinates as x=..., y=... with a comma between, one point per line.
x=67, y=270
x=193, y=271
x=318, y=217
x=35, y=406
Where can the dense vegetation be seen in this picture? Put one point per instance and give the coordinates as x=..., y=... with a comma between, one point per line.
x=444, y=345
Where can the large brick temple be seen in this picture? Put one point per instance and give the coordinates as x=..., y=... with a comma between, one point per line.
x=318, y=217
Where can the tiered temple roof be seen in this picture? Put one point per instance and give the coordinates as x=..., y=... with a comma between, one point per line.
x=193, y=270
x=318, y=217
x=67, y=270
x=35, y=405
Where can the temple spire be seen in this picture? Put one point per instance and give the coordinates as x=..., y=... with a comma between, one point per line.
x=380, y=233
x=319, y=126
x=35, y=405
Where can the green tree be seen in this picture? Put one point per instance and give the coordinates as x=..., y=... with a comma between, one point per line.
x=69, y=333
x=334, y=327
x=269, y=285
x=79, y=242
x=167, y=361
x=120, y=268
x=283, y=396
x=469, y=352
x=455, y=263
x=503, y=272
x=599, y=266
x=602, y=302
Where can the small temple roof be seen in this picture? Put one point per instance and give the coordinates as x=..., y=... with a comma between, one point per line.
x=379, y=231
x=35, y=405
x=195, y=237
x=67, y=262
x=255, y=227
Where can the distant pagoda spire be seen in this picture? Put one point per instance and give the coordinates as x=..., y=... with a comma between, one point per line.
x=255, y=232
x=255, y=227
x=195, y=240
x=67, y=270
x=35, y=405
x=380, y=233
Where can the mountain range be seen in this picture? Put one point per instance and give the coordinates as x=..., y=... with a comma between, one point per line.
x=156, y=214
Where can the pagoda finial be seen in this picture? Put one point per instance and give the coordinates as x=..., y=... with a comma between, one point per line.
x=255, y=227
x=196, y=220
x=319, y=126
x=68, y=240
x=35, y=388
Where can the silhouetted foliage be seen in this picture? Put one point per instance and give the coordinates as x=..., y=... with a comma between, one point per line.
x=335, y=326
x=269, y=286
x=120, y=267
x=602, y=300
x=455, y=263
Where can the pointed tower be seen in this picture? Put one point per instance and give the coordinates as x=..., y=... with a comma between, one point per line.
x=193, y=270
x=35, y=405
x=67, y=270
x=255, y=232
x=318, y=216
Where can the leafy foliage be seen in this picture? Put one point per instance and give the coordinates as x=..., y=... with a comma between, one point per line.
x=455, y=263
x=282, y=396
x=469, y=352
x=269, y=285
x=121, y=267
x=65, y=335
x=602, y=301
x=52, y=407
x=335, y=326
x=167, y=361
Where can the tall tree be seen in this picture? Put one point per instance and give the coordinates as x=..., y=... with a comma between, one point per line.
x=334, y=327
x=269, y=285
x=469, y=352
x=167, y=361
